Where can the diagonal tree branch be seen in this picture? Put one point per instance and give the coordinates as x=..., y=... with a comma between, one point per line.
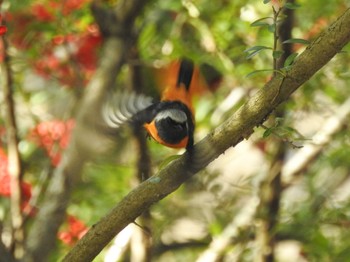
x=239, y=126
x=86, y=141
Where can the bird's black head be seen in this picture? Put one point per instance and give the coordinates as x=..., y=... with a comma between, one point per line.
x=174, y=122
x=172, y=125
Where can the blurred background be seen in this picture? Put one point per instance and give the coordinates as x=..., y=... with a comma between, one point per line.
x=239, y=208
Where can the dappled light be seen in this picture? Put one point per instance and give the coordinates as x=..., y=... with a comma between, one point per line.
x=140, y=131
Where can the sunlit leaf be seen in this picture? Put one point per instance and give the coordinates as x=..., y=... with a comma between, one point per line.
x=290, y=129
x=292, y=5
x=255, y=50
x=290, y=59
x=264, y=71
x=261, y=22
x=257, y=47
x=296, y=41
x=267, y=133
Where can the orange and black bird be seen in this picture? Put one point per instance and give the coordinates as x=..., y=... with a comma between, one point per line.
x=169, y=121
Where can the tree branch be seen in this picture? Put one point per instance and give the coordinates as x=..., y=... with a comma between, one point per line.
x=14, y=159
x=86, y=141
x=5, y=255
x=239, y=126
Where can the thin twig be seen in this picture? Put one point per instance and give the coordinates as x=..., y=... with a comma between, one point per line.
x=275, y=38
x=284, y=139
x=271, y=186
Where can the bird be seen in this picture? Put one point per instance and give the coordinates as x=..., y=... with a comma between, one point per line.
x=170, y=120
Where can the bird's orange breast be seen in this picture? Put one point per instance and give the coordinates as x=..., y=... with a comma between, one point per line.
x=153, y=132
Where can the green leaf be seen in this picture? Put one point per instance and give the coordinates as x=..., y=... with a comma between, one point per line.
x=296, y=41
x=267, y=133
x=260, y=22
x=282, y=73
x=292, y=5
x=267, y=1
x=278, y=121
x=290, y=59
x=290, y=129
x=259, y=71
x=277, y=54
x=255, y=50
x=272, y=28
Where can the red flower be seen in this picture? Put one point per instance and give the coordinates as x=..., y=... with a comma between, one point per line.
x=5, y=188
x=76, y=230
x=87, y=46
x=53, y=136
x=66, y=238
x=71, y=5
x=20, y=22
x=82, y=48
x=3, y=29
x=58, y=39
x=46, y=65
x=5, y=185
x=41, y=13
x=3, y=163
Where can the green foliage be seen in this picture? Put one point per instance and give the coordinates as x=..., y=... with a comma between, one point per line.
x=255, y=72
x=237, y=37
x=292, y=5
x=289, y=60
x=296, y=41
x=252, y=51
